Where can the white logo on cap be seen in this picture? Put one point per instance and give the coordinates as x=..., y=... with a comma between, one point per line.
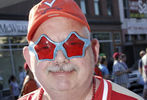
x=50, y=4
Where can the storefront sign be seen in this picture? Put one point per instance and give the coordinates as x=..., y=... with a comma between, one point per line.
x=11, y=28
x=137, y=27
x=138, y=8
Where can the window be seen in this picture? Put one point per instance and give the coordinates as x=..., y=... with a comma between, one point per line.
x=117, y=37
x=15, y=43
x=106, y=43
x=135, y=37
x=106, y=48
x=109, y=7
x=126, y=8
x=96, y=7
x=102, y=36
x=128, y=38
x=141, y=37
x=11, y=56
x=83, y=6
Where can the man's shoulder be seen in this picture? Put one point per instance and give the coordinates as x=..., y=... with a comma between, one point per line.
x=120, y=91
x=116, y=63
x=31, y=96
x=110, y=91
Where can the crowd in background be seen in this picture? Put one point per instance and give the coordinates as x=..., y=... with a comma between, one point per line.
x=118, y=71
x=24, y=85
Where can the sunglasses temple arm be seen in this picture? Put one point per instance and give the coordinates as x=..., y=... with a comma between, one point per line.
x=31, y=46
x=87, y=42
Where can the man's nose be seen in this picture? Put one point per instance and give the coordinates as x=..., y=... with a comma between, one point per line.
x=60, y=57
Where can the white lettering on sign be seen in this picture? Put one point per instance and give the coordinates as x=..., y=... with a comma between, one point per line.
x=133, y=5
x=142, y=7
x=13, y=27
x=135, y=27
x=138, y=6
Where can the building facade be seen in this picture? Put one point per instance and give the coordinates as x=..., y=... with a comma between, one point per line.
x=133, y=15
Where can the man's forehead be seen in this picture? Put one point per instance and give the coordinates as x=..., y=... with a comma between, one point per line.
x=63, y=22
x=60, y=26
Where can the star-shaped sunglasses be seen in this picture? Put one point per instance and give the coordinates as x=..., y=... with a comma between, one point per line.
x=46, y=49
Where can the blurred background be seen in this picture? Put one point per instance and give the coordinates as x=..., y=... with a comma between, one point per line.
x=119, y=25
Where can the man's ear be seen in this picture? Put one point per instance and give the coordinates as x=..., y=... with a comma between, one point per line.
x=26, y=55
x=95, y=48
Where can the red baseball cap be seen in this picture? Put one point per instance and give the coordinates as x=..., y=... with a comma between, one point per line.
x=116, y=54
x=54, y=8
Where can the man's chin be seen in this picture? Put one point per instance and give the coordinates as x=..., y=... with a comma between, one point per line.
x=63, y=80
x=63, y=85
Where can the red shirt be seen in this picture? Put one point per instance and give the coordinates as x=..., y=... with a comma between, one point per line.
x=104, y=92
x=30, y=86
x=98, y=71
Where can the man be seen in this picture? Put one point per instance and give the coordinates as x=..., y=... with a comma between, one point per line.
x=22, y=75
x=103, y=67
x=141, y=54
x=125, y=70
x=62, y=56
x=144, y=74
x=120, y=70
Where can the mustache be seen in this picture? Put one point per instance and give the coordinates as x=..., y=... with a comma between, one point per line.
x=63, y=68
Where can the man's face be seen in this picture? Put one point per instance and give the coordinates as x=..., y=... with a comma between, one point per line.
x=62, y=74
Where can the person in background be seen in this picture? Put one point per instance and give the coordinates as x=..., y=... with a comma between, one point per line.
x=119, y=71
x=14, y=87
x=97, y=71
x=29, y=83
x=126, y=70
x=141, y=53
x=22, y=75
x=144, y=74
x=103, y=67
x=115, y=63
x=62, y=56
